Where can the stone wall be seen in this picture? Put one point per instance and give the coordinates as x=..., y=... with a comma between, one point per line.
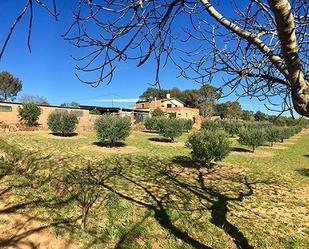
x=9, y=115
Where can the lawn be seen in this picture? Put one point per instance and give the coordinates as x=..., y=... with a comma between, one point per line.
x=148, y=195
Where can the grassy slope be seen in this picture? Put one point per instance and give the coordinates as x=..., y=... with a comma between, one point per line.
x=255, y=201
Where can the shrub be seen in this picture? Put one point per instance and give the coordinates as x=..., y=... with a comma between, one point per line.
x=273, y=134
x=296, y=129
x=157, y=113
x=62, y=122
x=187, y=124
x=232, y=127
x=208, y=146
x=95, y=112
x=210, y=125
x=170, y=128
x=252, y=137
x=150, y=123
x=112, y=129
x=155, y=123
x=29, y=113
x=284, y=133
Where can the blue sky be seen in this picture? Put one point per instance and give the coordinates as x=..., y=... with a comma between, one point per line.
x=49, y=70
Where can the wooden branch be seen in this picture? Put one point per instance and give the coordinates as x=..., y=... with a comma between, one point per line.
x=287, y=35
x=250, y=37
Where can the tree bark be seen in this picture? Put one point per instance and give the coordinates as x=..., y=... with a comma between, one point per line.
x=291, y=69
x=287, y=36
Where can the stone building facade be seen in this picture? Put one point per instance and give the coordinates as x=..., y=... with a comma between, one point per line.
x=172, y=106
x=9, y=114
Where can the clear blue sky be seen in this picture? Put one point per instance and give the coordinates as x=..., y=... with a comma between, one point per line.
x=49, y=70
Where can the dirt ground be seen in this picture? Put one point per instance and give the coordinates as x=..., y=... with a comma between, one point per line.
x=18, y=229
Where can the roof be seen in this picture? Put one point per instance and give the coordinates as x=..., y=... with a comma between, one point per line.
x=145, y=101
x=101, y=108
x=84, y=107
x=55, y=106
x=180, y=108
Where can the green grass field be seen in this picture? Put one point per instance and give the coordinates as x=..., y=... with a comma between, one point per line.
x=156, y=199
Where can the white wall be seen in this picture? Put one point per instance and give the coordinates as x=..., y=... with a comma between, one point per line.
x=173, y=102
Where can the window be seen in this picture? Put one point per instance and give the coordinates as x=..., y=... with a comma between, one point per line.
x=169, y=105
x=5, y=108
x=143, y=105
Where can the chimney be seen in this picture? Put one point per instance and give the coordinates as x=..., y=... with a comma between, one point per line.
x=168, y=95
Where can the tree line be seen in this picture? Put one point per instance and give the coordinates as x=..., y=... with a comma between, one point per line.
x=206, y=98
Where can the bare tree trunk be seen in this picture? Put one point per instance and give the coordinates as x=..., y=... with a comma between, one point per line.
x=287, y=35
x=84, y=217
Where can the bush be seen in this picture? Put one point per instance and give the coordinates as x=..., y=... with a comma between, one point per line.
x=284, y=133
x=157, y=113
x=62, y=122
x=273, y=134
x=29, y=113
x=232, y=127
x=296, y=129
x=208, y=146
x=210, y=125
x=170, y=128
x=150, y=123
x=95, y=112
x=252, y=137
x=112, y=129
x=187, y=124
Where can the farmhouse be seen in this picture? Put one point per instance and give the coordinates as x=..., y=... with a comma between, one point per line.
x=9, y=113
x=171, y=106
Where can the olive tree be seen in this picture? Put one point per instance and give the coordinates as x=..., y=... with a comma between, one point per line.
x=170, y=128
x=62, y=122
x=273, y=134
x=208, y=146
x=86, y=185
x=157, y=113
x=29, y=114
x=252, y=137
x=112, y=129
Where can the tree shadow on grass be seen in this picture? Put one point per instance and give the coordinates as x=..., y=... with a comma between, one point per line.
x=16, y=240
x=19, y=173
x=306, y=155
x=74, y=134
x=109, y=145
x=151, y=132
x=132, y=234
x=160, y=139
x=188, y=162
x=26, y=224
x=160, y=189
x=239, y=149
x=303, y=171
x=184, y=161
